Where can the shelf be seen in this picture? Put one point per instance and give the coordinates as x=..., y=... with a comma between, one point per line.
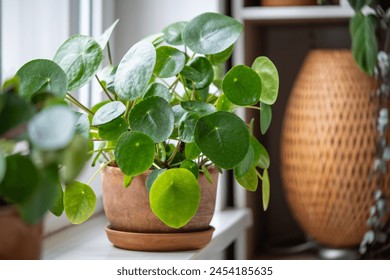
x=89, y=241
x=291, y=13
x=295, y=13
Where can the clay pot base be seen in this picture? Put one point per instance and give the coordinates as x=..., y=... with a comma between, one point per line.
x=159, y=242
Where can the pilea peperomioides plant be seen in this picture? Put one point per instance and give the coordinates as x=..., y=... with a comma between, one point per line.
x=169, y=109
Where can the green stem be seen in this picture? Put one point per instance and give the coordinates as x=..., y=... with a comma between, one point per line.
x=104, y=149
x=253, y=107
x=155, y=165
x=174, y=83
x=100, y=169
x=78, y=104
x=174, y=152
x=129, y=105
x=259, y=175
x=104, y=88
x=109, y=53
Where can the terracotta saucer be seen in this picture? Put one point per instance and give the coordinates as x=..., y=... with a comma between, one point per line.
x=159, y=242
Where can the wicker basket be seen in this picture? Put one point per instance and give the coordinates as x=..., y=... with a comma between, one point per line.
x=288, y=2
x=328, y=144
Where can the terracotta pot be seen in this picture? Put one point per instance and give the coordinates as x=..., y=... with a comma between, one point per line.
x=18, y=241
x=328, y=148
x=128, y=209
x=288, y=2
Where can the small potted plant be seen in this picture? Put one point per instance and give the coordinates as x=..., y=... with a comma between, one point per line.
x=37, y=135
x=168, y=127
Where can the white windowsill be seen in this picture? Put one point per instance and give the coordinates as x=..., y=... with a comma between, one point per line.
x=89, y=241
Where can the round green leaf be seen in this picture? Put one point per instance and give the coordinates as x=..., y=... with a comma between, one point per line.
x=242, y=86
x=52, y=128
x=269, y=79
x=42, y=75
x=191, y=151
x=187, y=127
x=154, y=117
x=82, y=124
x=261, y=156
x=244, y=166
x=103, y=39
x=175, y=197
x=108, y=112
x=79, y=202
x=265, y=189
x=265, y=117
x=170, y=62
x=198, y=107
x=191, y=166
x=134, y=153
x=135, y=70
x=20, y=179
x=80, y=57
x=113, y=130
x=152, y=177
x=96, y=107
x=172, y=33
x=158, y=89
x=211, y=33
x=249, y=180
x=206, y=71
x=223, y=138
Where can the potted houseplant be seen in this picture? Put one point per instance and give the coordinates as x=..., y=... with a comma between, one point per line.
x=370, y=33
x=168, y=125
x=37, y=135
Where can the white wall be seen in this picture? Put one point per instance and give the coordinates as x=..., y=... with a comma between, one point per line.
x=24, y=37
x=141, y=18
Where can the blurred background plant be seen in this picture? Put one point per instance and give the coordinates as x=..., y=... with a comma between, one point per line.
x=370, y=33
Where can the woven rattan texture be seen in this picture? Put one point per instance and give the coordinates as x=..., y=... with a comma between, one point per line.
x=328, y=145
x=288, y=2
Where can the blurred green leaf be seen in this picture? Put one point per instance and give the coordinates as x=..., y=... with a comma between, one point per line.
x=52, y=128
x=17, y=188
x=43, y=197
x=79, y=202
x=58, y=206
x=364, y=43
